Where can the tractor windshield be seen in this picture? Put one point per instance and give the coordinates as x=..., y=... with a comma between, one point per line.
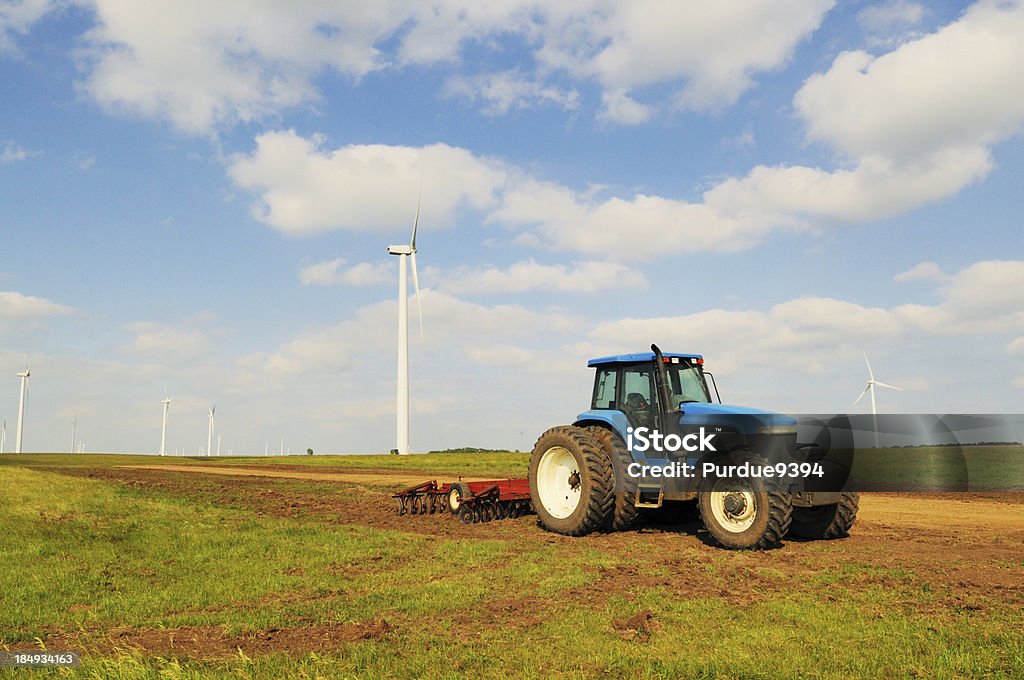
x=686, y=385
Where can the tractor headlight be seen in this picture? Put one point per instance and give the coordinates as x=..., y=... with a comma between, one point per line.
x=777, y=429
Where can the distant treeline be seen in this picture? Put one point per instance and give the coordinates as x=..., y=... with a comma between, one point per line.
x=934, y=446
x=471, y=449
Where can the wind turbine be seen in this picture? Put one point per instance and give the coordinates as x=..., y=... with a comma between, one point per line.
x=3, y=437
x=209, y=432
x=74, y=431
x=21, y=407
x=403, y=252
x=166, y=401
x=870, y=387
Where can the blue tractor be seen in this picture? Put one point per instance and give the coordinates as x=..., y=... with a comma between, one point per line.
x=654, y=434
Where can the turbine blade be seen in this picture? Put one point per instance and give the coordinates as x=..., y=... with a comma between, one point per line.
x=416, y=287
x=863, y=393
x=416, y=222
x=891, y=387
x=870, y=374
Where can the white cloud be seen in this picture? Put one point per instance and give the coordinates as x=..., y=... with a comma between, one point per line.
x=204, y=67
x=17, y=16
x=956, y=87
x=165, y=342
x=17, y=305
x=305, y=189
x=509, y=90
x=618, y=107
x=585, y=277
x=12, y=153
x=891, y=14
x=331, y=272
x=922, y=271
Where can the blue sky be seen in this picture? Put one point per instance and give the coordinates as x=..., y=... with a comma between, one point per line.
x=200, y=196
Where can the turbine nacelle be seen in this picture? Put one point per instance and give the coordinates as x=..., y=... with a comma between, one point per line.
x=401, y=250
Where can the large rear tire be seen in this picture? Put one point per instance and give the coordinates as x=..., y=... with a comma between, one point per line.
x=744, y=513
x=571, y=481
x=826, y=521
x=625, y=514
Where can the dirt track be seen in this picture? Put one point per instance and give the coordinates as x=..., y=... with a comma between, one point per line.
x=375, y=478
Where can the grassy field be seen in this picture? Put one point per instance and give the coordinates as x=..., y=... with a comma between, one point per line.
x=154, y=574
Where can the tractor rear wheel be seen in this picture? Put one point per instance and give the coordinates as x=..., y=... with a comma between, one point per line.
x=571, y=481
x=625, y=514
x=826, y=521
x=744, y=512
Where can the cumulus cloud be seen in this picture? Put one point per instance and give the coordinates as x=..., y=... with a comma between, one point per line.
x=580, y=277
x=923, y=271
x=892, y=14
x=17, y=16
x=165, y=341
x=981, y=298
x=334, y=272
x=305, y=189
x=204, y=67
x=15, y=305
x=12, y=153
x=509, y=90
x=956, y=87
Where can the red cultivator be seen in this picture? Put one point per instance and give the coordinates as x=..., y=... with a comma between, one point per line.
x=471, y=501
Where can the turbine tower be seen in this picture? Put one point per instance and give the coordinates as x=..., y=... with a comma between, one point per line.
x=166, y=401
x=209, y=431
x=21, y=408
x=402, y=409
x=3, y=437
x=870, y=387
x=74, y=432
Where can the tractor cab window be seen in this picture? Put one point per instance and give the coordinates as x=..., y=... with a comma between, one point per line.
x=604, y=389
x=638, y=401
x=686, y=385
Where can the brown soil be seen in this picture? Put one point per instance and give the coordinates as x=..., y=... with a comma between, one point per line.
x=942, y=555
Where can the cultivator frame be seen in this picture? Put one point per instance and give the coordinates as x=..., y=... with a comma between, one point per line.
x=471, y=502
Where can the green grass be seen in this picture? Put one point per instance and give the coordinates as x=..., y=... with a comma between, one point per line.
x=93, y=556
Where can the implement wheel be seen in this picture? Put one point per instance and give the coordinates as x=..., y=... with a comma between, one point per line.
x=744, y=512
x=826, y=521
x=571, y=481
x=456, y=492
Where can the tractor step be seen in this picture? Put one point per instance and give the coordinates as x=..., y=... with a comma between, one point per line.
x=649, y=496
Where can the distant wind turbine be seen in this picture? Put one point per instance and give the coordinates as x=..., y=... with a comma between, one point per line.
x=74, y=432
x=209, y=431
x=871, y=388
x=166, y=401
x=21, y=407
x=3, y=437
x=403, y=252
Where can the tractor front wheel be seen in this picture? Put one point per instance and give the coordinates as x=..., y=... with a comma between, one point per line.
x=571, y=481
x=744, y=512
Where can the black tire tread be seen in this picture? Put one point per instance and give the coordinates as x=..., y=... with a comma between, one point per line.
x=780, y=510
x=601, y=499
x=625, y=515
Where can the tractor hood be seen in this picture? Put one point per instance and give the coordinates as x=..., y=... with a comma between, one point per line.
x=741, y=419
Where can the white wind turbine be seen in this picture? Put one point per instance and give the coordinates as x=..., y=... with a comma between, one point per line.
x=209, y=432
x=3, y=437
x=21, y=407
x=166, y=401
x=870, y=387
x=403, y=252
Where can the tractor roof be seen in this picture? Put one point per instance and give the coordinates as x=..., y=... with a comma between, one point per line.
x=638, y=358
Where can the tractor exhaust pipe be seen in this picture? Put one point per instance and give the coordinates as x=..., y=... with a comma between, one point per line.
x=661, y=380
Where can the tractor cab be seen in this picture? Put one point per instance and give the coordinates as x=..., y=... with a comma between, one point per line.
x=635, y=385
